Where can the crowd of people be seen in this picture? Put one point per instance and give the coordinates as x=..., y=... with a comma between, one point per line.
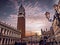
x=41, y=42
x=44, y=42
x=20, y=43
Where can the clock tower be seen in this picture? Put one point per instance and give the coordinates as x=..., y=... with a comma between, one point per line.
x=21, y=21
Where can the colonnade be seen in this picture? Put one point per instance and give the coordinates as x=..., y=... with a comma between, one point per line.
x=8, y=35
x=5, y=41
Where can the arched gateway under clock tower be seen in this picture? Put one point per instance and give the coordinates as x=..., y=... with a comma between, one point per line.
x=21, y=21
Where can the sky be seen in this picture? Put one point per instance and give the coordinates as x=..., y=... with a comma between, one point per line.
x=35, y=10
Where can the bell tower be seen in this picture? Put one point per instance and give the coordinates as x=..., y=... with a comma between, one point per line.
x=21, y=21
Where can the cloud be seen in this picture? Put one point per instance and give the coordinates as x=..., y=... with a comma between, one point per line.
x=15, y=4
x=35, y=18
x=12, y=19
x=56, y=1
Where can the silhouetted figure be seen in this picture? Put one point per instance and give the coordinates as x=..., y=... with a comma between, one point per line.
x=15, y=43
x=44, y=42
x=18, y=43
x=24, y=43
x=47, y=43
x=41, y=42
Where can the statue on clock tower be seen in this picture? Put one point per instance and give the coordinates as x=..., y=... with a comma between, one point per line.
x=21, y=21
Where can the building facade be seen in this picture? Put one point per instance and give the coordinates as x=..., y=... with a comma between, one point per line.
x=48, y=34
x=56, y=22
x=21, y=21
x=8, y=34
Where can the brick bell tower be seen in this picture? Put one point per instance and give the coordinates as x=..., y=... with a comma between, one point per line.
x=21, y=21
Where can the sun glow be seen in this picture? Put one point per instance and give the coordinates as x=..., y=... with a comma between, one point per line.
x=38, y=32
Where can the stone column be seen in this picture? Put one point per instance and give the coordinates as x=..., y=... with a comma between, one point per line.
x=7, y=41
x=8, y=32
x=0, y=30
x=10, y=41
x=1, y=41
x=4, y=41
x=5, y=32
x=13, y=42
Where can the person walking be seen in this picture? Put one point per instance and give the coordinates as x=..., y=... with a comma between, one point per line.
x=41, y=42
